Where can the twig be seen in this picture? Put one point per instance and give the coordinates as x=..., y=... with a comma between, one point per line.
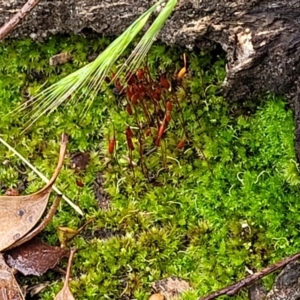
x=234, y=288
x=16, y=19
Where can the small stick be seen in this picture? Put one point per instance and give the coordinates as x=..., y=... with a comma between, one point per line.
x=68, y=275
x=234, y=288
x=16, y=19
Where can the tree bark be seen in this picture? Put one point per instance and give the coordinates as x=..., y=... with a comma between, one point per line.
x=17, y=18
x=261, y=38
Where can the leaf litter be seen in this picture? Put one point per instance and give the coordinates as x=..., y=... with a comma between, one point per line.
x=19, y=216
x=35, y=257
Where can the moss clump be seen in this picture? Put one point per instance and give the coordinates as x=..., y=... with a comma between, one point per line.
x=202, y=225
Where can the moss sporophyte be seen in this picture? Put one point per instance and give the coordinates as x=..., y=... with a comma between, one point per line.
x=179, y=197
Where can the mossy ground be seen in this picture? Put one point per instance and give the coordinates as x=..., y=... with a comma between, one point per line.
x=202, y=225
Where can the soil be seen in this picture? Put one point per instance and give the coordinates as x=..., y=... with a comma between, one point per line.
x=101, y=196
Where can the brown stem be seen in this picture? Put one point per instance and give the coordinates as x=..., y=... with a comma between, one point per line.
x=62, y=152
x=16, y=19
x=68, y=275
x=234, y=288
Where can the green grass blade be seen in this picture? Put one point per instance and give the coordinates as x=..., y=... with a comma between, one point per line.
x=91, y=75
x=141, y=50
x=42, y=176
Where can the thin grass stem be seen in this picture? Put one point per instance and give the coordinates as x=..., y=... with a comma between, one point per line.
x=42, y=176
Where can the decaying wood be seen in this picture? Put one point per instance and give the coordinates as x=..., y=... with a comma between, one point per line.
x=16, y=19
x=234, y=288
x=261, y=38
x=287, y=283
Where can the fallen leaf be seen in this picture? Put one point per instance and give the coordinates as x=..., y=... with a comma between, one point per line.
x=19, y=214
x=9, y=288
x=65, y=293
x=40, y=227
x=34, y=257
x=66, y=234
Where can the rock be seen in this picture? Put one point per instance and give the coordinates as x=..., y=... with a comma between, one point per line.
x=170, y=287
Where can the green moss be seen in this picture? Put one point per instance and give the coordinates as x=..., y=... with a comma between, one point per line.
x=204, y=226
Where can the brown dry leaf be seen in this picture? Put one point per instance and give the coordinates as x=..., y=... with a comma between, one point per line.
x=19, y=214
x=66, y=234
x=34, y=257
x=40, y=227
x=9, y=288
x=65, y=293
